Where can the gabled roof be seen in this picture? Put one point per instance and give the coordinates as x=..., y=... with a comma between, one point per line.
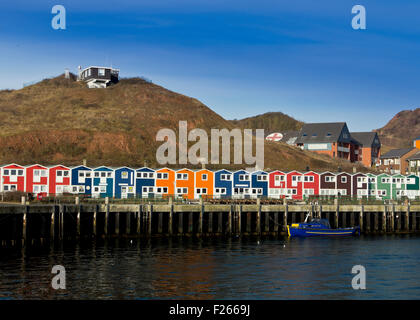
x=396, y=153
x=321, y=132
x=367, y=139
x=415, y=156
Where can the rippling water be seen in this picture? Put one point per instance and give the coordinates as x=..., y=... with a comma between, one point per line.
x=222, y=269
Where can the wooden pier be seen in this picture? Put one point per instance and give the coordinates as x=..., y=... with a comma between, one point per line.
x=22, y=222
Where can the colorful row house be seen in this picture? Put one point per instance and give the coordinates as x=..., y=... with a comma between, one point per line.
x=125, y=182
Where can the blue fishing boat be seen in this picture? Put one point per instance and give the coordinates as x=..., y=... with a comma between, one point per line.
x=319, y=227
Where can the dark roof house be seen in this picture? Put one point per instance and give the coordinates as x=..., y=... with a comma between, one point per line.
x=324, y=133
x=396, y=153
x=367, y=139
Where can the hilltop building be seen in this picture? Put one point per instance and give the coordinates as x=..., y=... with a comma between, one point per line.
x=416, y=142
x=413, y=163
x=98, y=77
x=370, y=150
x=333, y=139
x=395, y=161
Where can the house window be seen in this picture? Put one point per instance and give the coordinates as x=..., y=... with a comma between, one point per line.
x=103, y=174
x=101, y=72
x=13, y=172
x=343, y=179
x=65, y=173
x=6, y=172
x=96, y=174
x=124, y=174
x=204, y=176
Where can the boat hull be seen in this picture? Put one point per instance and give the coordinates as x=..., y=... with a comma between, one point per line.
x=315, y=232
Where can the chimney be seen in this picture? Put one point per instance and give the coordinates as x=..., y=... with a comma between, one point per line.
x=203, y=165
x=84, y=162
x=354, y=170
x=145, y=163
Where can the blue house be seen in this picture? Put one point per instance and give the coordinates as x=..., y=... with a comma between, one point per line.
x=241, y=184
x=103, y=182
x=81, y=180
x=259, y=184
x=145, y=182
x=124, y=183
x=223, y=184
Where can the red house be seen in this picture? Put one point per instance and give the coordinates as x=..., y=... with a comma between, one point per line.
x=59, y=180
x=37, y=179
x=277, y=184
x=311, y=184
x=294, y=184
x=13, y=178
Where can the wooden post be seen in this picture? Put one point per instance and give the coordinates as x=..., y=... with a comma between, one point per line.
x=171, y=213
x=259, y=216
x=286, y=211
x=160, y=222
x=407, y=218
x=24, y=225
x=239, y=214
x=190, y=222
x=139, y=214
x=200, y=218
x=95, y=214
x=391, y=223
x=78, y=220
x=344, y=218
x=149, y=222
x=180, y=223
x=337, y=209
x=248, y=222
x=61, y=227
x=361, y=218
x=106, y=222
x=367, y=221
x=276, y=222
x=352, y=219
x=384, y=215
x=229, y=226
x=52, y=225
x=128, y=223
x=210, y=226
x=398, y=217
x=414, y=222
x=220, y=223
x=267, y=221
x=376, y=223
x=117, y=223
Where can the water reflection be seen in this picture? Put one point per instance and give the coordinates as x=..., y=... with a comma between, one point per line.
x=214, y=269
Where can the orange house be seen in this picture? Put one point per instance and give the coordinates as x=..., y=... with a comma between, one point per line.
x=165, y=182
x=204, y=183
x=185, y=185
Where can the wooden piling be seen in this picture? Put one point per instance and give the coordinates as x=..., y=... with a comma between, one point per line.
x=267, y=221
x=362, y=208
x=352, y=219
x=160, y=222
x=384, y=218
x=117, y=223
x=276, y=222
x=190, y=223
x=61, y=218
x=407, y=218
x=139, y=214
x=344, y=218
x=375, y=221
x=239, y=215
x=414, y=222
x=180, y=223
x=128, y=223
x=78, y=222
x=367, y=214
x=286, y=211
x=337, y=208
x=149, y=222
x=210, y=223
x=229, y=224
x=200, y=218
x=248, y=222
x=171, y=213
x=106, y=222
x=95, y=217
x=24, y=226
x=220, y=222
x=52, y=224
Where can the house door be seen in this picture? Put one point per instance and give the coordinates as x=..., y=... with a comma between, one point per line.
x=124, y=191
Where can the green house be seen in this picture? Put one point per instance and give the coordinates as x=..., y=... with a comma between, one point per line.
x=398, y=187
x=384, y=186
x=372, y=188
x=413, y=186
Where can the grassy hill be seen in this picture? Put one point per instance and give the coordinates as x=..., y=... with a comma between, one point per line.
x=270, y=121
x=62, y=121
x=401, y=129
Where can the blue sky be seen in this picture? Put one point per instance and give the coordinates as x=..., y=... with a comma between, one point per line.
x=241, y=58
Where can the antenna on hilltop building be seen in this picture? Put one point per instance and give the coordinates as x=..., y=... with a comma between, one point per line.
x=80, y=72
